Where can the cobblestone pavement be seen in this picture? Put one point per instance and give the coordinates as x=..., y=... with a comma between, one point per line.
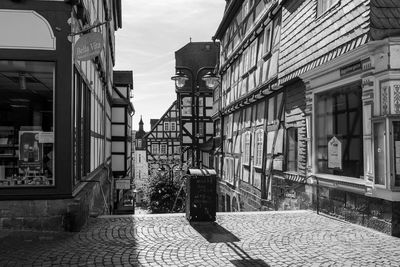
x=300, y=238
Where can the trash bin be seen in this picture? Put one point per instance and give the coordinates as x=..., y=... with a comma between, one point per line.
x=201, y=189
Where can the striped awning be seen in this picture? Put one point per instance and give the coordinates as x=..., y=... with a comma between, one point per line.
x=295, y=177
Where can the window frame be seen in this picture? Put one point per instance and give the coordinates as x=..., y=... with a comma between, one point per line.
x=246, y=148
x=347, y=88
x=295, y=150
x=154, y=149
x=173, y=126
x=258, y=148
x=166, y=126
x=163, y=149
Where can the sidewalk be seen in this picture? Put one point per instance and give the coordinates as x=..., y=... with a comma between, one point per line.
x=291, y=238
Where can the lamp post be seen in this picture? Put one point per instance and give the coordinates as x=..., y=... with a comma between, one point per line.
x=211, y=82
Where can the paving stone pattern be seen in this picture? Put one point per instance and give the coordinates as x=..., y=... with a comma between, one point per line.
x=300, y=238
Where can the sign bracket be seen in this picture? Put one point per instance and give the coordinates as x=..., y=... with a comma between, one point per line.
x=87, y=28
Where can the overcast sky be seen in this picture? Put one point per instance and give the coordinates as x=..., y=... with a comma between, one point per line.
x=152, y=30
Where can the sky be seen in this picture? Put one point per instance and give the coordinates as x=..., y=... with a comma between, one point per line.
x=152, y=30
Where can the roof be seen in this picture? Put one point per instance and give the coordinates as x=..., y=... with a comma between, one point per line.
x=384, y=17
x=155, y=122
x=231, y=8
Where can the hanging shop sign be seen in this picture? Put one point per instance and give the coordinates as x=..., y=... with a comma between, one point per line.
x=334, y=153
x=124, y=183
x=88, y=46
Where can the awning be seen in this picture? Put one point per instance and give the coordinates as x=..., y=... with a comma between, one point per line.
x=295, y=177
x=202, y=172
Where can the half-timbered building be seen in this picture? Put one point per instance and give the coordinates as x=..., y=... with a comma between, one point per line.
x=326, y=115
x=250, y=104
x=121, y=134
x=163, y=141
x=345, y=53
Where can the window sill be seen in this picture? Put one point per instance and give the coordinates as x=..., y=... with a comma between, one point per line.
x=345, y=179
x=258, y=168
x=267, y=55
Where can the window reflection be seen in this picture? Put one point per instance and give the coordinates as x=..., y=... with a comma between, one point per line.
x=26, y=123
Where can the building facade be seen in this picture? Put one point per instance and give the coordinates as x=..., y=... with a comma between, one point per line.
x=140, y=163
x=248, y=105
x=329, y=120
x=163, y=142
x=195, y=100
x=121, y=135
x=55, y=148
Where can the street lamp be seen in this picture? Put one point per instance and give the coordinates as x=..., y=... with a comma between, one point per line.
x=180, y=79
x=211, y=81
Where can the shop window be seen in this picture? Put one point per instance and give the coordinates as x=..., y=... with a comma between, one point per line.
x=325, y=5
x=396, y=145
x=259, y=142
x=26, y=123
x=291, y=149
x=379, y=152
x=82, y=109
x=338, y=131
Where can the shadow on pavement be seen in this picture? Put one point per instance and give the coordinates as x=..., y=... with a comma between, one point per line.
x=246, y=259
x=249, y=262
x=213, y=232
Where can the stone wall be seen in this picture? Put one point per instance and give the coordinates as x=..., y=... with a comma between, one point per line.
x=58, y=214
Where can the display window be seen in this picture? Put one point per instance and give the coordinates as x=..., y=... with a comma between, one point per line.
x=338, y=131
x=26, y=123
x=396, y=150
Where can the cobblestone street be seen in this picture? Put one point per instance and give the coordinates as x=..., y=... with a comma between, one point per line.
x=298, y=238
